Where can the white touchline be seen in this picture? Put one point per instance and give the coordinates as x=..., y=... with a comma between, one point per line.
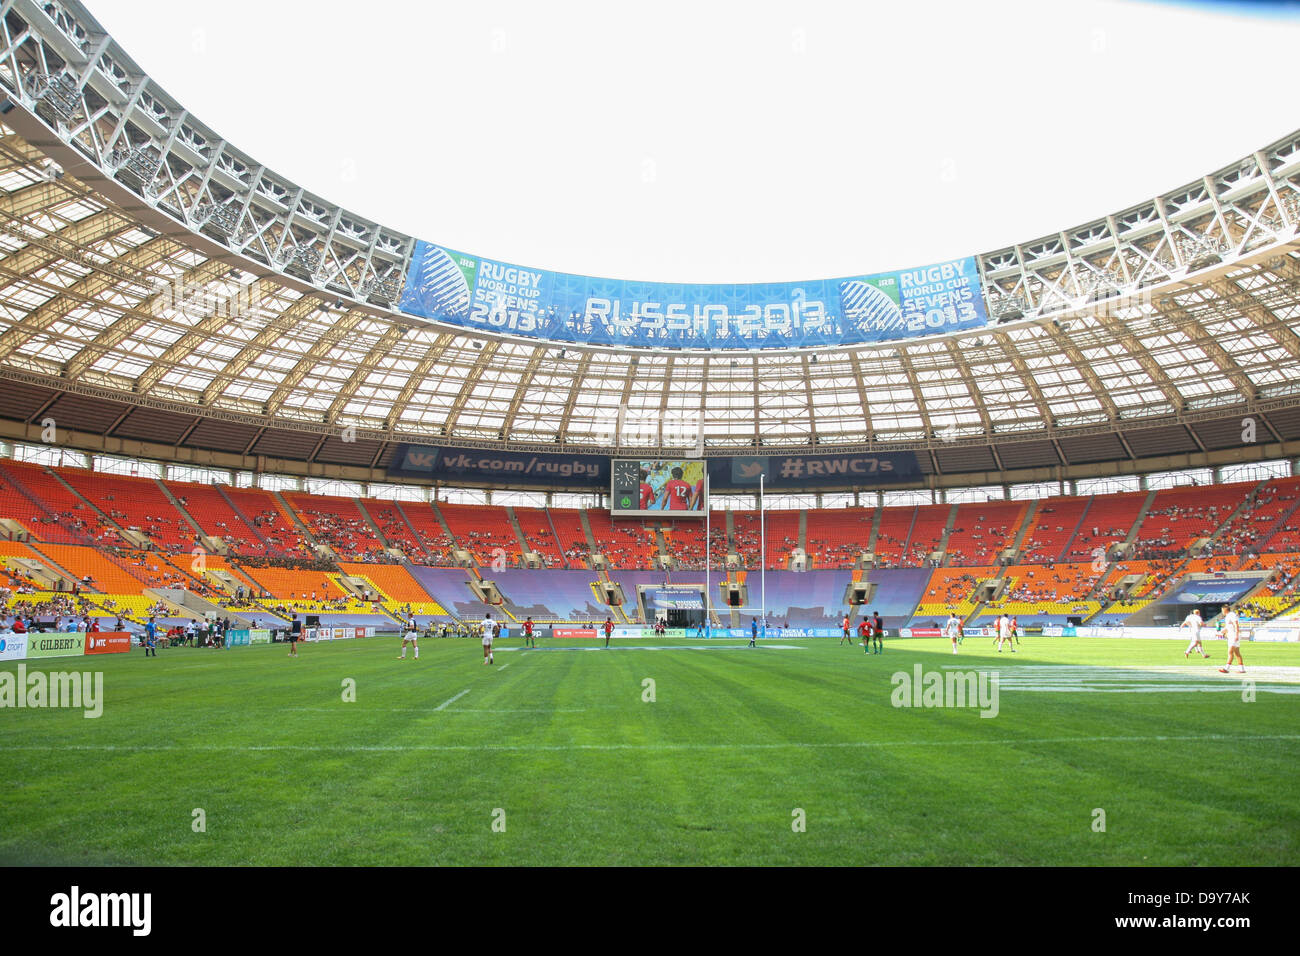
x=453, y=700
x=793, y=744
x=502, y=667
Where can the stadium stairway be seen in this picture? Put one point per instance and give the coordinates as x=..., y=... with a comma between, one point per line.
x=189, y=519
x=1083, y=515
x=524, y=547
x=296, y=522
x=947, y=533
x=875, y=531
x=592, y=547
x=415, y=535
x=1141, y=516
x=1025, y=524
x=248, y=520
x=458, y=550
x=389, y=546
x=1278, y=525
x=803, y=531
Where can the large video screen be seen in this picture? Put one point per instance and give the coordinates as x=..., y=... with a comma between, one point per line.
x=657, y=489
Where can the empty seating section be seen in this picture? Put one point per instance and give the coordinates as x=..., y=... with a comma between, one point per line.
x=891, y=538
x=263, y=512
x=951, y=588
x=267, y=551
x=64, y=517
x=573, y=539
x=393, y=528
x=1108, y=521
x=835, y=539
x=80, y=561
x=745, y=537
x=398, y=590
x=782, y=537
x=1180, y=516
x=537, y=532
x=1051, y=529
x=626, y=544
x=217, y=518
x=981, y=532
x=927, y=533
x=292, y=584
x=134, y=504
x=338, y=523
x=437, y=543
x=483, y=531
x=1058, y=584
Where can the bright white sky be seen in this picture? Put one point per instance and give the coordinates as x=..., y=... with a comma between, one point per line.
x=697, y=141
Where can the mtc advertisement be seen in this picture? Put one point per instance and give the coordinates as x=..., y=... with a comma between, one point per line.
x=108, y=642
x=477, y=293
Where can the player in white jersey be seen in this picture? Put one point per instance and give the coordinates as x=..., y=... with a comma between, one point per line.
x=952, y=629
x=1194, y=622
x=1004, y=632
x=1232, y=631
x=412, y=635
x=488, y=627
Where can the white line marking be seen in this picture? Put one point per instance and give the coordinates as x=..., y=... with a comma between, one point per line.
x=503, y=667
x=453, y=700
x=678, y=647
x=798, y=745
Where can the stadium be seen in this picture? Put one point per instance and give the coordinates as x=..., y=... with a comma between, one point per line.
x=232, y=412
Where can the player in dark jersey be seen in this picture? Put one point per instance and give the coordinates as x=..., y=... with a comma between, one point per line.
x=295, y=635
x=877, y=631
x=678, y=491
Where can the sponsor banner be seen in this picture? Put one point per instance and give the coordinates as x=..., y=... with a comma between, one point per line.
x=238, y=637
x=666, y=598
x=56, y=645
x=13, y=647
x=259, y=636
x=475, y=464
x=919, y=632
x=108, y=642
x=475, y=293
x=1275, y=633
x=1054, y=630
x=1214, y=591
x=805, y=471
x=587, y=632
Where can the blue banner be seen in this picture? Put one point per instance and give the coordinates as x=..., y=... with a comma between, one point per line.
x=478, y=465
x=740, y=473
x=1214, y=590
x=495, y=296
x=787, y=472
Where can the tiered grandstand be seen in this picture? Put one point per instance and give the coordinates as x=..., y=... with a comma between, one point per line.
x=223, y=393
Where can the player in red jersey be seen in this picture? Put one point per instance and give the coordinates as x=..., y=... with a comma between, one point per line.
x=697, y=495
x=608, y=628
x=647, y=493
x=847, y=634
x=864, y=632
x=679, y=492
x=529, y=640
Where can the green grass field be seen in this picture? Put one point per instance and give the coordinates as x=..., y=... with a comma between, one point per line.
x=710, y=772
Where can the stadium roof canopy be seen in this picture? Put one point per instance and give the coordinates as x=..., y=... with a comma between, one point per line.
x=160, y=286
